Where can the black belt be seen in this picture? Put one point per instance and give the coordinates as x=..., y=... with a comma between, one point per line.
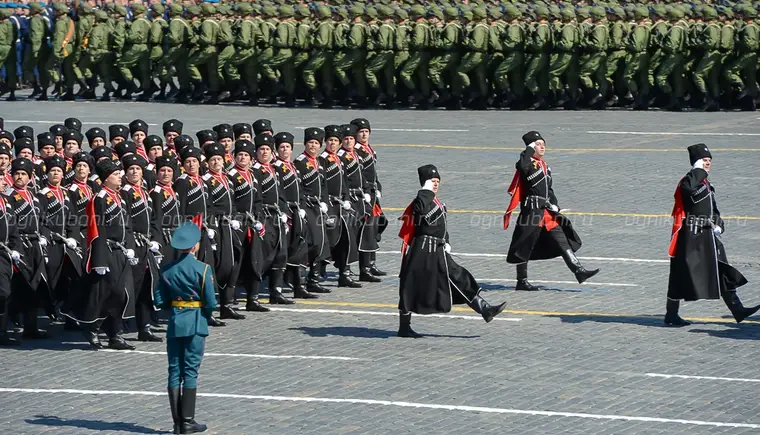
x=700, y=221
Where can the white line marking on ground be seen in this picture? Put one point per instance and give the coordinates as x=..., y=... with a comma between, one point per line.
x=613, y=259
x=45, y=121
x=707, y=378
x=425, y=130
x=242, y=355
x=381, y=313
x=669, y=133
x=371, y=402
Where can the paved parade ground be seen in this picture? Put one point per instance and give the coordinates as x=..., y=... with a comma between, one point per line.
x=572, y=359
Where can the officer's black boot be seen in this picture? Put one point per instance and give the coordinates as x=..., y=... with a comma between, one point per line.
x=671, y=314
x=345, y=280
x=522, y=279
x=5, y=339
x=295, y=278
x=145, y=334
x=213, y=321
x=189, y=425
x=12, y=96
x=405, y=326
x=83, y=87
x=117, y=342
x=275, y=289
x=226, y=296
x=735, y=305
x=364, y=268
x=37, y=90
x=43, y=95
x=581, y=273
x=252, y=297
x=312, y=281
x=482, y=307
x=174, y=405
x=373, y=267
x=91, y=335
x=30, y=326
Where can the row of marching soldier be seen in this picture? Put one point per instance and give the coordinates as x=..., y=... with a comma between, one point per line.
x=85, y=232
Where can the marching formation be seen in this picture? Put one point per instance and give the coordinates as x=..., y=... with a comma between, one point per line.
x=84, y=234
x=475, y=54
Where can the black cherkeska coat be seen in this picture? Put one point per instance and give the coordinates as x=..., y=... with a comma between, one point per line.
x=430, y=280
x=532, y=189
x=699, y=268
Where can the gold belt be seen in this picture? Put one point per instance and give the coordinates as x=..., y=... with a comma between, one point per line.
x=186, y=304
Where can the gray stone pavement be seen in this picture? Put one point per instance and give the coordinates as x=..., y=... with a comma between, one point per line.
x=571, y=359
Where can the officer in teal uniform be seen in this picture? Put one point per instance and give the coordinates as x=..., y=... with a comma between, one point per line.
x=186, y=288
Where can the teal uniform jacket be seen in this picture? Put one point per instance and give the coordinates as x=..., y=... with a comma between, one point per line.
x=186, y=281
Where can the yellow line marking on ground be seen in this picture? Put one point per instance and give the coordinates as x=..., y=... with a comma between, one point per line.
x=584, y=213
x=551, y=149
x=522, y=312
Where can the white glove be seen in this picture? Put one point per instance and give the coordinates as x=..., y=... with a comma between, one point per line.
x=155, y=247
x=159, y=258
x=367, y=198
x=15, y=256
x=346, y=205
x=101, y=270
x=283, y=217
x=258, y=226
x=322, y=207
x=699, y=164
x=554, y=208
x=211, y=233
x=133, y=261
x=43, y=242
x=717, y=230
x=302, y=212
x=130, y=253
x=428, y=185
x=213, y=247
x=378, y=195
x=235, y=224
x=71, y=243
x=447, y=248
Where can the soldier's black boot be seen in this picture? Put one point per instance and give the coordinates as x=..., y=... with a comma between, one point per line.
x=522, y=279
x=671, y=314
x=83, y=87
x=5, y=339
x=91, y=335
x=30, y=326
x=298, y=290
x=345, y=280
x=37, y=90
x=312, y=281
x=373, y=267
x=735, y=305
x=581, y=273
x=187, y=406
x=252, y=297
x=226, y=296
x=213, y=321
x=488, y=311
x=145, y=334
x=12, y=96
x=405, y=326
x=364, y=265
x=174, y=405
x=275, y=289
x=117, y=342
x=43, y=95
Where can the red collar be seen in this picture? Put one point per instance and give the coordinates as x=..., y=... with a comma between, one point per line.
x=85, y=187
x=114, y=196
x=24, y=193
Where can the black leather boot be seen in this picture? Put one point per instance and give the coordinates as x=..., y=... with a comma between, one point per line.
x=735, y=305
x=671, y=314
x=275, y=289
x=92, y=338
x=252, y=297
x=213, y=321
x=522, y=279
x=174, y=406
x=227, y=312
x=117, y=342
x=5, y=339
x=345, y=280
x=405, y=326
x=189, y=425
x=581, y=273
x=482, y=307
x=373, y=267
x=30, y=326
x=145, y=334
x=312, y=281
x=364, y=265
x=298, y=291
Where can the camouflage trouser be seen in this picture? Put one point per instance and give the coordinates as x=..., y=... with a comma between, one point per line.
x=381, y=62
x=669, y=76
x=471, y=62
x=508, y=75
x=416, y=66
x=742, y=73
x=176, y=59
x=637, y=73
x=707, y=74
x=320, y=62
x=136, y=56
x=439, y=65
x=537, y=75
x=207, y=58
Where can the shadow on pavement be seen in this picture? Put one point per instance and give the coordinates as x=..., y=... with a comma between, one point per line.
x=734, y=331
x=642, y=320
x=50, y=420
x=360, y=332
